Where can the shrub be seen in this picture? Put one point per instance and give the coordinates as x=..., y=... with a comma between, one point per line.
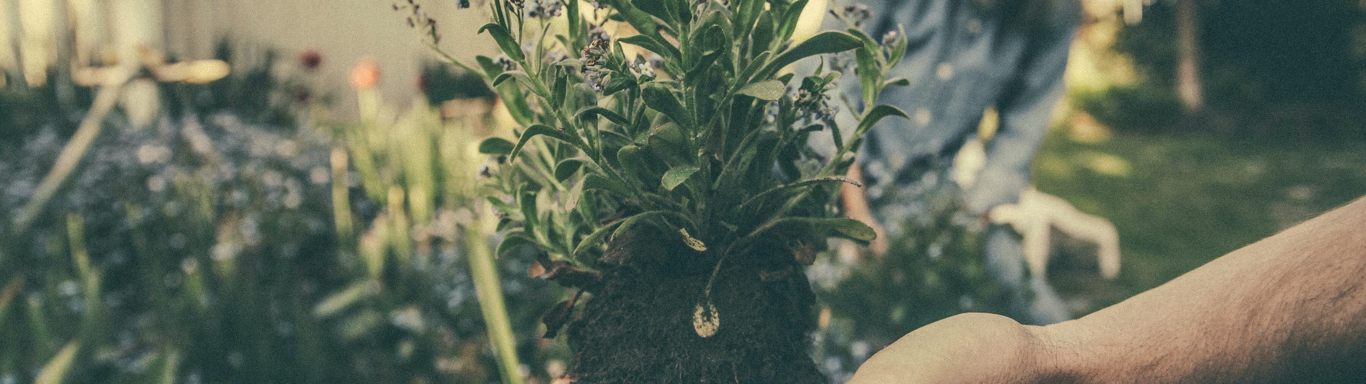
x=204, y=250
x=671, y=162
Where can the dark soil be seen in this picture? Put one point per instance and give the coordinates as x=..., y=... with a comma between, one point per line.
x=638, y=326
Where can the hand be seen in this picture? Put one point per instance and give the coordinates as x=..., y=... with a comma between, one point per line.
x=855, y=205
x=967, y=348
x=879, y=245
x=1289, y=308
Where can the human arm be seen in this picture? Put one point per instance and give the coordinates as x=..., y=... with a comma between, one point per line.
x=1289, y=308
x=855, y=204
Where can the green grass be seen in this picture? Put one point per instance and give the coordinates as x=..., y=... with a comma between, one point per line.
x=1181, y=200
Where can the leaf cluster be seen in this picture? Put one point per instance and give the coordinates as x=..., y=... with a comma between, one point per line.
x=696, y=117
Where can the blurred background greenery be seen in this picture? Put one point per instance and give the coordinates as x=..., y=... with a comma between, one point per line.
x=298, y=220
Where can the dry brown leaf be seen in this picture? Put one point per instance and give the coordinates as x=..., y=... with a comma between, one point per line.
x=705, y=319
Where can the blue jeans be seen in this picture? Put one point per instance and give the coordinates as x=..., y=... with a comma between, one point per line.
x=1032, y=300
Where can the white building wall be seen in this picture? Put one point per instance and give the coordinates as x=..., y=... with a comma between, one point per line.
x=343, y=31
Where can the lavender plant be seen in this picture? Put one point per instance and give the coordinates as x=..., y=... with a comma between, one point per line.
x=678, y=146
x=702, y=133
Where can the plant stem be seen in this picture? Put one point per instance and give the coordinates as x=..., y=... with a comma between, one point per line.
x=490, y=294
x=341, y=200
x=73, y=152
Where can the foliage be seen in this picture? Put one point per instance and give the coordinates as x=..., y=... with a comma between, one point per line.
x=262, y=88
x=1258, y=52
x=1186, y=199
x=15, y=120
x=695, y=125
x=1131, y=107
x=203, y=249
x=423, y=168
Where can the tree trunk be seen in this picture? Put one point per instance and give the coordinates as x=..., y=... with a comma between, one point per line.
x=638, y=327
x=1188, y=82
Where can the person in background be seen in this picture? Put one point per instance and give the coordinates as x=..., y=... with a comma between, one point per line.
x=963, y=57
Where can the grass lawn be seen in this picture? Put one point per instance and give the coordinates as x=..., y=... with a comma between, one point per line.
x=1181, y=200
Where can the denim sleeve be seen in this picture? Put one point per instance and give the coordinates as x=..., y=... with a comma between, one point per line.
x=885, y=15
x=1026, y=107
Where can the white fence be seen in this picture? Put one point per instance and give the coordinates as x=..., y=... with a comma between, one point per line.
x=38, y=34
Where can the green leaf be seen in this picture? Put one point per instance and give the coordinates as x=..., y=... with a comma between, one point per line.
x=897, y=81
x=505, y=41
x=538, y=130
x=709, y=44
x=745, y=16
x=742, y=156
x=560, y=87
x=505, y=76
x=822, y=43
x=642, y=21
x=677, y=175
x=659, y=98
x=636, y=163
x=868, y=73
x=826, y=227
x=749, y=70
x=769, y=90
x=786, y=189
x=617, y=82
x=640, y=218
x=704, y=64
x=526, y=200
x=516, y=103
x=7, y=295
x=566, y=168
x=870, y=64
x=572, y=14
x=598, y=182
x=337, y=302
x=878, y=113
x=710, y=36
x=789, y=21
x=656, y=8
x=571, y=200
x=169, y=363
x=761, y=38
x=664, y=49
x=512, y=241
x=668, y=143
x=57, y=368
x=499, y=205
x=495, y=146
x=591, y=112
x=594, y=238
x=486, y=63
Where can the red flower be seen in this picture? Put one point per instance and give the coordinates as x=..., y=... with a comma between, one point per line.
x=310, y=59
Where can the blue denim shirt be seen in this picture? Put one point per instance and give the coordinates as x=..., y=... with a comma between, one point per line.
x=964, y=56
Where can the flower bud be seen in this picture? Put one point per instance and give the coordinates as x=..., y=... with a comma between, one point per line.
x=365, y=75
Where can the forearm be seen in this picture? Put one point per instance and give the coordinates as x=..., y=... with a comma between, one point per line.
x=856, y=207
x=1292, y=306
x=852, y=198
